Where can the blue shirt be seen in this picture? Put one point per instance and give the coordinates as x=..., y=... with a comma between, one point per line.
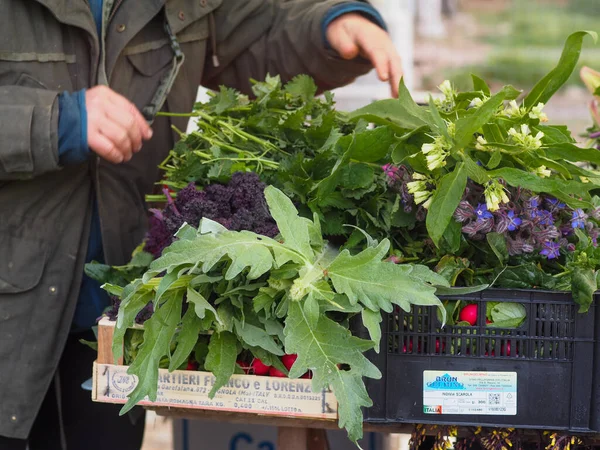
x=73, y=149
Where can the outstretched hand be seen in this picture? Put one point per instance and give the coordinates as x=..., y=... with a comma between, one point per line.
x=352, y=35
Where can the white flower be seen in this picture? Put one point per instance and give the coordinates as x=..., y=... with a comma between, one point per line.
x=476, y=102
x=422, y=196
x=542, y=172
x=437, y=151
x=428, y=148
x=418, y=176
x=416, y=186
x=514, y=110
x=427, y=204
x=447, y=89
x=436, y=160
x=536, y=113
x=494, y=195
x=481, y=142
x=525, y=139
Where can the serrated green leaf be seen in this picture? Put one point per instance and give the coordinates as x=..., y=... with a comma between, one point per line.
x=225, y=99
x=552, y=82
x=372, y=322
x=445, y=201
x=311, y=309
x=377, y=284
x=186, y=339
x=186, y=232
x=201, y=305
x=371, y=145
x=158, y=333
x=302, y=86
x=292, y=227
x=221, y=357
x=244, y=248
x=357, y=176
x=133, y=301
x=257, y=337
x=321, y=349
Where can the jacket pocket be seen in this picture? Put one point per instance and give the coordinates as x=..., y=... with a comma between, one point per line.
x=150, y=58
x=22, y=262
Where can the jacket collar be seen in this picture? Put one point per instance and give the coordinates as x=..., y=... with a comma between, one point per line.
x=71, y=12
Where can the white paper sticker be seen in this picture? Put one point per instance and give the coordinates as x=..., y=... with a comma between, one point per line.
x=474, y=393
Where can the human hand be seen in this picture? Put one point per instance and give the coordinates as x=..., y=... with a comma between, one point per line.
x=352, y=34
x=115, y=127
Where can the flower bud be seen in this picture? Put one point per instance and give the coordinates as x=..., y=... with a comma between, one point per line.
x=591, y=79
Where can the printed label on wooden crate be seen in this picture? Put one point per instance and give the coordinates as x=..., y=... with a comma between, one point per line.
x=243, y=393
x=479, y=393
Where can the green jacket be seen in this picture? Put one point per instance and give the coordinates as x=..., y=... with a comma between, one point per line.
x=48, y=46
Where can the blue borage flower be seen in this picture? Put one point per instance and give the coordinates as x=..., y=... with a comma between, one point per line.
x=482, y=212
x=579, y=217
x=551, y=250
x=555, y=205
x=514, y=221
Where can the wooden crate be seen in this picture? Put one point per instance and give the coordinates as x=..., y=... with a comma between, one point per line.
x=182, y=392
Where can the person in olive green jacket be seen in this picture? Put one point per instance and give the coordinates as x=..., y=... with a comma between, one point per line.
x=80, y=84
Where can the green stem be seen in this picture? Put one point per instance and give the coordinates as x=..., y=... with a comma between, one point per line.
x=170, y=114
x=562, y=274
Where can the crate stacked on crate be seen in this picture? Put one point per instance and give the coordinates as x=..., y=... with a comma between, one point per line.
x=540, y=375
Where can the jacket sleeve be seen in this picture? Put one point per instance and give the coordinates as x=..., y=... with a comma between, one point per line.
x=276, y=37
x=29, y=131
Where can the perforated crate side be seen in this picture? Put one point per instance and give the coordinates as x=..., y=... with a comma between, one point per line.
x=552, y=352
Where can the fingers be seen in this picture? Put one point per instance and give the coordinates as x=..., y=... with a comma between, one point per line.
x=104, y=147
x=116, y=129
x=124, y=105
x=395, y=74
x=353, y=34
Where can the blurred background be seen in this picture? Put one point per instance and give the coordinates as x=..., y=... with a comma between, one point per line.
x=504, y=42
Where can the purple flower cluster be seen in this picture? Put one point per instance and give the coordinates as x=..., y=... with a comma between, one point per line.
x=530, y=223
x=238, y=205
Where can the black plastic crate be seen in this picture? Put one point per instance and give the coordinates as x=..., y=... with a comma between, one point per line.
x=554, y=353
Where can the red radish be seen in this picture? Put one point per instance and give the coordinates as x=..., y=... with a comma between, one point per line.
x=243, y=365
x=276, y=373
x=307, y=375
x=410, y=347
x=488, y=321
x=289, y=360
x=469, y=314
x=192, y=365
x=437, y=346
x=505, y=349
x=259, y=368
